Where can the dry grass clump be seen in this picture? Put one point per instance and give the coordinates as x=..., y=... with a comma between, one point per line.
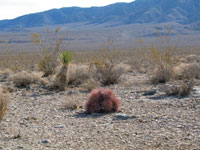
x=107, y=72
x=23, y=79
x=187, y=71
x=167, y=67
x=181, y=89
x=6, y=72
x=71, y=103
x=90, y=85
x=78, y=74
x=3, y=103
x=163, y=74
x=90, y=77
x=192, y=58
x=47, y=65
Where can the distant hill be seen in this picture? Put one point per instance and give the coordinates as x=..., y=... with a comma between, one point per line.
x=184, y=12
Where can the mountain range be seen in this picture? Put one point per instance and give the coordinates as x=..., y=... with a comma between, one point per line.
x=183, y=12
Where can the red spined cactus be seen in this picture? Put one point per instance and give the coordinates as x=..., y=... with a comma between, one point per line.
x=102, y=101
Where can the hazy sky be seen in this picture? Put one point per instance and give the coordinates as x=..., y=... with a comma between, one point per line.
x=10, y=9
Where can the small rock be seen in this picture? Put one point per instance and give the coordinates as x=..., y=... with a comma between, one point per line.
x=45, y=141
x=60, y=126
x=149, y=93
x=72, y=92
x=3, y=78
x=17, y=136
x=123, y=116
x=196, y=89
x=179, y=126
x=20, y=147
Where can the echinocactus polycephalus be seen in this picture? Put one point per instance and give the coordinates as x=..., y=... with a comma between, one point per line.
x=102, y=101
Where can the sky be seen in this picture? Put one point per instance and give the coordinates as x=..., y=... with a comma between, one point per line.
x=10, y=9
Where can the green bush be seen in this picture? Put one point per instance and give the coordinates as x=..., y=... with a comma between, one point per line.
x=64, y=58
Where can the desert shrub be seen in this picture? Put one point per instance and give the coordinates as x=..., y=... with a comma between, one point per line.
x=163, y=63
x=3, y=104
x=78, y=74
x=107, y=72
x=72, y=102
x=49, y=48
x=181, y=89
x=163, y=74
x=162, y=56
x=6, y=72
x=187, y=71
x=102, y=101
x=64, y=58
x=90, y=85
x=47, y=65
x=72, y=105
x=192, y=58
x=23, y=79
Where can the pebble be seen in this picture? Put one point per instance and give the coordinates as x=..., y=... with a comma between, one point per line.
x=131, y=97
x=197, y=89
x=20, y=147
x=72, y=92
x=121, y=116
x=149, y=93
x=60, y=126
x=45, y=141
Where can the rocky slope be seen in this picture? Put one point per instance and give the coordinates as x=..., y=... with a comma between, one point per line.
x=139, y=11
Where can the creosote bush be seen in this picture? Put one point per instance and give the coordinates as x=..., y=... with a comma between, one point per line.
x=3, y=103
x=163, y=63
x=162, y=57
x=102, y=101
x=49, y=48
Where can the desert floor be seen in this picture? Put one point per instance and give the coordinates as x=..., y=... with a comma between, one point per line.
x=148, y=119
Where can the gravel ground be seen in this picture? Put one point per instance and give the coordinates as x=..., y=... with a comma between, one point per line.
x=39, y=119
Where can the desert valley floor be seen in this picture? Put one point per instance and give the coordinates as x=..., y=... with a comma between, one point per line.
x=38, y=119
